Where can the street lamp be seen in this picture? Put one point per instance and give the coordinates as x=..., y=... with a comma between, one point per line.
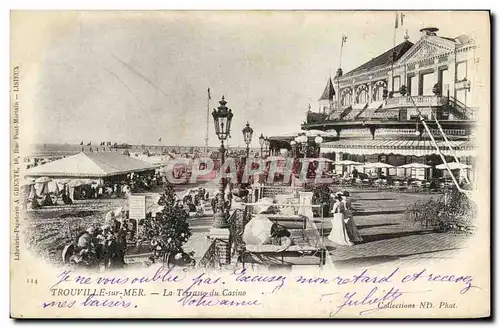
x=318, y=140
x=293, y=143
x=222, y=123
x=302, y=139
x=261, y=142
x=267, y=142
x=247, y=136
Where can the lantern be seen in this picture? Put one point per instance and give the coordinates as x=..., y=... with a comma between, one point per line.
x=247, y=134
x=222, y=120
x=261, y=140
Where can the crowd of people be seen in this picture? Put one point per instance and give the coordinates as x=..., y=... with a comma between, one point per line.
x=103, y=246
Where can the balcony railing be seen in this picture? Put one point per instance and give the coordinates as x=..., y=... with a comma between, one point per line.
x=419, y=101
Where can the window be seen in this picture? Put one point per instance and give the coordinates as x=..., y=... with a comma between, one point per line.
x=461, y=71
x=462, y=96
x=363, y=97
x=378, y=93
x=427, y=82
x=396, y=83
x=412, y=85
x=445, y=81
x=346, y=99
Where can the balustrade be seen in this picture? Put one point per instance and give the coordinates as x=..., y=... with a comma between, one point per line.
x=419, y=101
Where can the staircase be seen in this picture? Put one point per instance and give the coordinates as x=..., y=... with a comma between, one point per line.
x=459, y=110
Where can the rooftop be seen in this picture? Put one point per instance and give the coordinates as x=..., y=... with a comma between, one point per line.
x=383, y=59
x=329, y=92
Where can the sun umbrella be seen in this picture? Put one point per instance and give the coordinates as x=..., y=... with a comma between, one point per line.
x=27, y=182
x=32, y=194
x=257, y=230
x=347, y=162
x=53, y=187
x=453, y=166
x=415, y=166
x=43, y=180
x=275, y=158
x=263, y=205
x=378, y=165
x=322, y=159
x=75, y=183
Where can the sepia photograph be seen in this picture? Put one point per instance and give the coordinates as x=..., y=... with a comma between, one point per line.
x=263, y=164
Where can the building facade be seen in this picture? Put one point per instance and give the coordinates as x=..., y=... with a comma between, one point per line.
x=375, y=108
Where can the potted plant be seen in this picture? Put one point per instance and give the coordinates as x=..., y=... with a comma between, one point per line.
x=436, y=89
x=402, y=90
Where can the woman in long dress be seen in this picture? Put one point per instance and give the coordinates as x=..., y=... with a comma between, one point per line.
x=338, y=235
x=352, y=230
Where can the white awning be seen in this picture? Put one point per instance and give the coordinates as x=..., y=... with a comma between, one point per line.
x=397, y=147
x=375, y=104
x=359, y=106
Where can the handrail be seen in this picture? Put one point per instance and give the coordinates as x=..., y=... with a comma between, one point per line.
x=209, y=258
x=452, y=151
x=439, y=151
x=285, y=204
x=464, y=109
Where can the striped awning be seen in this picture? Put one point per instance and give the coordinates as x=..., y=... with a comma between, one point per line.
x=359, y=106
x=398, y=147
x=375, y=104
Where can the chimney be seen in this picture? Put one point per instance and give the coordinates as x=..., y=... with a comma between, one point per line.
x=429, y=31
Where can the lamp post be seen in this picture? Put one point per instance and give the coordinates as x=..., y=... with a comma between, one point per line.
x=261, y=142
x=247, y=136
x=318, y=140
x=267, y=142
x=302, y=139
x=222, y=122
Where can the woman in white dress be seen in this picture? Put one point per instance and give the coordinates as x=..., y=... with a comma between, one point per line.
x=338, y=235
x=352, y=230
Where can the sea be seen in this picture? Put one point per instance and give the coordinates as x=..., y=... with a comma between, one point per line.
x=60, y=150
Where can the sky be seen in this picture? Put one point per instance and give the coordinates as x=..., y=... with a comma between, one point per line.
x=136, y=77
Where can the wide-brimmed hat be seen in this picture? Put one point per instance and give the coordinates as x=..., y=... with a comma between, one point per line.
x=339, y=195
x=264, y=205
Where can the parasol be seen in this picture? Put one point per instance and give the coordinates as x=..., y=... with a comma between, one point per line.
x=347, y=162
x=322, y=159
x=378, y=165
x=75, y=183
x=263, y=205
x=415, y=166
x=257, y=230
x=43, y=180
x=453, y=166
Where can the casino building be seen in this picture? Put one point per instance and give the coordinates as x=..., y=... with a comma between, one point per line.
x=374, y=108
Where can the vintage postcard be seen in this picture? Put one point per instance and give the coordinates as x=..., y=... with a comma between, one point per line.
x=250, y=164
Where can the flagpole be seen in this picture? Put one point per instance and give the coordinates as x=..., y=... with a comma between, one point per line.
x=340, y=67
x=393, y=52
x=208, y=116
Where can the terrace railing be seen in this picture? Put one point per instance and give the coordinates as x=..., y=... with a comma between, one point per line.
x=237, y=221
x=210, y=259
x=423, y=101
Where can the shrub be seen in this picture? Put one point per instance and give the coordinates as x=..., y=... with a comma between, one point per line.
x=457, y=214
x=169, y=230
